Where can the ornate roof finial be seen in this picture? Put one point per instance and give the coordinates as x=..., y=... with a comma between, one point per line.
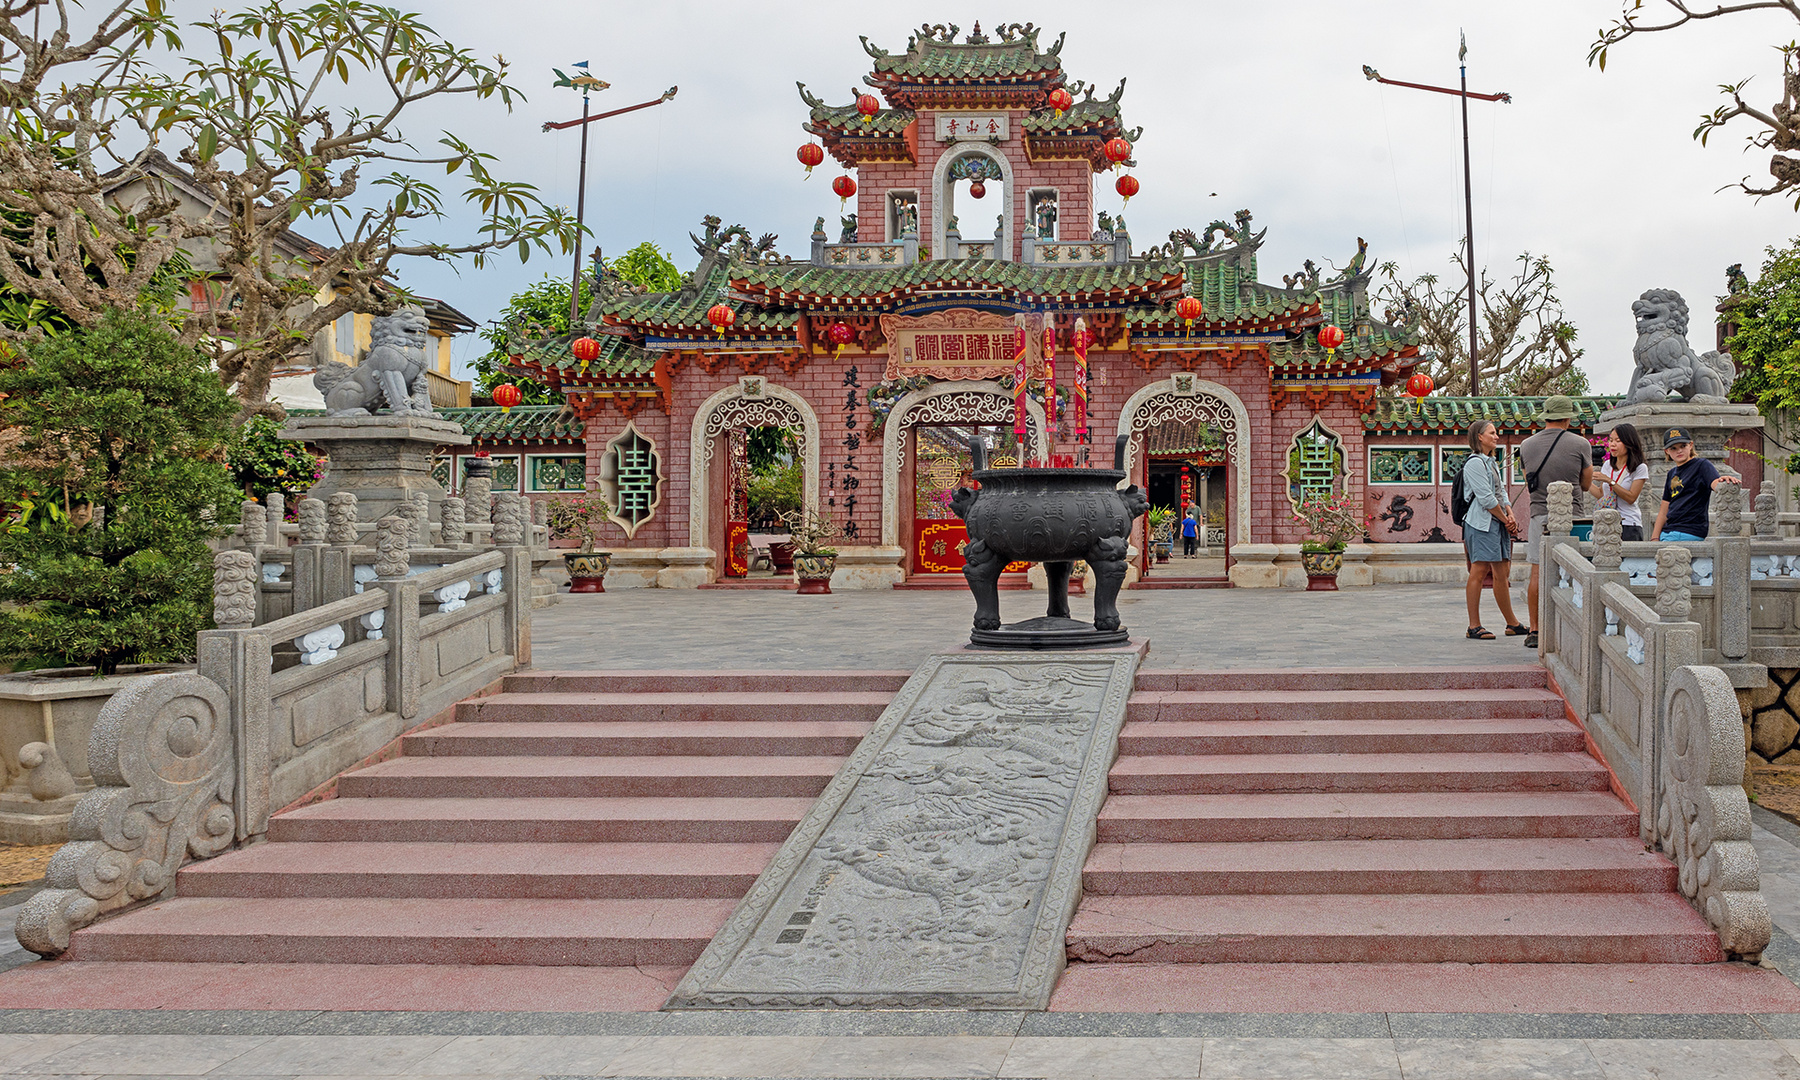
x=976, y=37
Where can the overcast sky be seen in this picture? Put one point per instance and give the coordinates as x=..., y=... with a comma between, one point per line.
x=1263, y=103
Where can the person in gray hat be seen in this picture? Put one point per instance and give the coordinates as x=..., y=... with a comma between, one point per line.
x=1553, y=454
x=1687, y=490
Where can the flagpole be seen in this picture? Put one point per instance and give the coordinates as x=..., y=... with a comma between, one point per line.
x=581, y=209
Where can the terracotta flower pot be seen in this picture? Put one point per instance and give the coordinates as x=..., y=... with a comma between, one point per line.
x=781, y=556
x=814, y=572
x=1321, y=569
x=587, y=570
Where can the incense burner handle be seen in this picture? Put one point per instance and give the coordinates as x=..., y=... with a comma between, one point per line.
x=1119, y=451
x=978, y=451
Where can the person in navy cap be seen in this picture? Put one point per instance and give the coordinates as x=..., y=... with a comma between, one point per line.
x=1687, y=490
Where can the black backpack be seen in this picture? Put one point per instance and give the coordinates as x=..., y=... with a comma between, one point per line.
x=1459, y=502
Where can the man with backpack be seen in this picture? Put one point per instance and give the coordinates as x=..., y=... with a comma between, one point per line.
x=1553, y=454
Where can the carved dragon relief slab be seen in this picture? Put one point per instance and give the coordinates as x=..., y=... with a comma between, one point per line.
x=942, y=864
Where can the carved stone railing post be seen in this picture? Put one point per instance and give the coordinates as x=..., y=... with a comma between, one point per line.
x=235, y=577
x=163, y=760
x=1560, y=508
x=1702, y=814
x=337, y=576
x=253, y=523
x=453, y=534
x=478, y=489
x=1608, y=540
x=401, y=624
x=1674, y=583
x=309, y=555
x=1768, y=520
x=413, y=514
x=421, y=519
x=275, y=508
x=509, y=519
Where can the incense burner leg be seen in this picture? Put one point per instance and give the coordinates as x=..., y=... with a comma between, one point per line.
x=981, y=568
x=1057, y=574
x=1108, y=561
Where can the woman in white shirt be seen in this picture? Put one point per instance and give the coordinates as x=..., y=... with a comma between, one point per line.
x=1618, y=482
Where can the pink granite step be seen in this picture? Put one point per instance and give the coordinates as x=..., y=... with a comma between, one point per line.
x=795, y=738
x=1168, y=774
x=1150, y=705
x=1607, y=928
x=759, y=681
x=663, y=708
x=549, y=933
x=491, y=871
x=1265, y=680
x=1559, y=865
x=591, y=777
x=523, y=821
x=1352, y=735
x=1425, y=815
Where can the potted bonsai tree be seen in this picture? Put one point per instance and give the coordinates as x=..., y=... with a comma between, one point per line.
x=1162, y=531
x=1331, y=522
x=576, y=516
x=814, y=560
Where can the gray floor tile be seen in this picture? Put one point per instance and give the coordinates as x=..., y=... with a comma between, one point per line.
x=1497, y=1059
x=1104, y=1059
x=495, y=1054
x=1299, y=1059
x=715, y=1055
x=964, y=1055
x=1694, y=1059
x=148, y=1055
x=21, y=1051
x=337, y=1055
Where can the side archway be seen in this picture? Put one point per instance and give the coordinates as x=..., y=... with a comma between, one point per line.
x=944, y=403
x=752, y=402
x=941, y=201
x=1185, y=398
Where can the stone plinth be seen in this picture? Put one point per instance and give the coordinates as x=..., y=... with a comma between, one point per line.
x=382, y=460
x=1710, y=425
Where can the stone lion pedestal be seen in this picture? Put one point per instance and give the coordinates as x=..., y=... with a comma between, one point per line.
x=1711, y=425
x=381, y=459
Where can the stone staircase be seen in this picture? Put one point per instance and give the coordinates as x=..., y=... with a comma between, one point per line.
x=1277, y=817
x=585, y=818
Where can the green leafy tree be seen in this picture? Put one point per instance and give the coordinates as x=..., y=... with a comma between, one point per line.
x=262, y=461
x=542, y=311
x=117, y=458
x=1766, y=346
x=248, y=104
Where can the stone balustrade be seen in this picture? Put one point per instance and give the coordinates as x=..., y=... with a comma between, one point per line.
x=189, y=765
x=1666, y=725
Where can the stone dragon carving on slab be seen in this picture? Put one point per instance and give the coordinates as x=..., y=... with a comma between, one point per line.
x=1666, y=364
x=392, y=374
x=164, y=758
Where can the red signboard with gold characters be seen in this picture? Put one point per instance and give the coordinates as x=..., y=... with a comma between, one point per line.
x=940, y=549
x=737, y=549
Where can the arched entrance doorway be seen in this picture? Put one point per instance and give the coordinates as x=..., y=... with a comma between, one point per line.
x=925, y=451
x=1186, y=428
x=715, y=480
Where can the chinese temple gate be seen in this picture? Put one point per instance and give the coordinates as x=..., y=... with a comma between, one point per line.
x=978, y=228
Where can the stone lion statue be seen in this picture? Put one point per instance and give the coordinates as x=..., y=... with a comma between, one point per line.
x=393, y=372
x=1665, y=363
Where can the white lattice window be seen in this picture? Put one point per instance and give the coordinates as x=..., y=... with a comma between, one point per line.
x=631, y=479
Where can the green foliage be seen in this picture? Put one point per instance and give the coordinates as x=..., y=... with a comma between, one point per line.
x=577, y=515
x=774, y=492
x=542, y=311
x=262, y=461
x=125, y=420
x=1767, y=344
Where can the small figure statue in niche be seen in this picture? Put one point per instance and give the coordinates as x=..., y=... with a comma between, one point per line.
x=1043, y=216
x=906, y=216
x=848, y=235
x=999, y=226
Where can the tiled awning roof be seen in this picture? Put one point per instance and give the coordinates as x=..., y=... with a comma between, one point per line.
x=524, y=423
x=1453, y=415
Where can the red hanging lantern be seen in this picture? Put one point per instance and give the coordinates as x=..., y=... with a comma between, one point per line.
x=1126, y=186
x=868, y=106
x=721, y=316
x=1189, y=308
x=1060, y=99
x=1330, y=337
x=1420, y=385
x=843, y=187
x=1117, y=151
x=811, y=154
x=506, y=395
x=977, y=189
x=586, y=350
x=840, y=335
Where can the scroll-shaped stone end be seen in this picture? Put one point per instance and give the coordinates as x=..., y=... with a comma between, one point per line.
x=49, y=918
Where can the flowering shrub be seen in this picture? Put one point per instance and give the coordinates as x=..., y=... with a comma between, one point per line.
x=576, y=515
x=1331, y=522
x=262, y=461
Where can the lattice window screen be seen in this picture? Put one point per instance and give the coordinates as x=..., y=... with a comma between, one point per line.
x=631, y=479
x=1315, y=461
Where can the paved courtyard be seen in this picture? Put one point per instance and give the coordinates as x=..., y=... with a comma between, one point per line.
x=892, y=629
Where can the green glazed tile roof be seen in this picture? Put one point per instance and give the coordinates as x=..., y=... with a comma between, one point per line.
x=1453, y=415
x=686, y=312
x=1228, y=294
x=937, y=60
x=1375, y=341
x=845, y=120
x=806, y=279
x=525, y=423
x=1078, y=117
x=618, y=359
